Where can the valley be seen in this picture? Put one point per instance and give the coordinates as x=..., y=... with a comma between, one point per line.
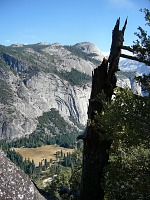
x=44, y=97
x=39, y=154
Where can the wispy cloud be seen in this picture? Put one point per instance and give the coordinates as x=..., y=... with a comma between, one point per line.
x=7, y=41
x=122, y=3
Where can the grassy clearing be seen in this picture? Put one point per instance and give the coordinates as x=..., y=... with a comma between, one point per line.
x=40, y=153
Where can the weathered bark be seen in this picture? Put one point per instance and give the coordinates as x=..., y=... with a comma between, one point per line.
x=95, y=155
x=95, y=150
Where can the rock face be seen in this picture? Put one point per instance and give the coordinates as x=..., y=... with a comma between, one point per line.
x=129, y=82
x=90, y=48
x=41, y=93
x=36, y=78
x=36, y=90
x=14, y=183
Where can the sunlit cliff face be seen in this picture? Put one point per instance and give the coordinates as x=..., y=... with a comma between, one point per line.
x=33, y=83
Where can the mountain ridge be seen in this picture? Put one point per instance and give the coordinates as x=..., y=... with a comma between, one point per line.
x=37, y=77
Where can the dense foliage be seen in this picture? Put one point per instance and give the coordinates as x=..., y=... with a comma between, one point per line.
x=25, y=164
x=38, y=139
x=67, y=183
x=126, y=122
x=74, y=77
x=51, y=129
x=141, y=46
x=64, y=170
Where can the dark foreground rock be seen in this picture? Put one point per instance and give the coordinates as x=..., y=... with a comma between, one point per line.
x=14, y=183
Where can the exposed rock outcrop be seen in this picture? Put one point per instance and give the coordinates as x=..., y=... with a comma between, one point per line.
x=14, y=183
x=90, y=48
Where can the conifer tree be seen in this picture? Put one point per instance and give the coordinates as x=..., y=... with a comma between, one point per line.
x=127, y=121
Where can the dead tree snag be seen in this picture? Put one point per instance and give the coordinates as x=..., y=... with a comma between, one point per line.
x=95, y=154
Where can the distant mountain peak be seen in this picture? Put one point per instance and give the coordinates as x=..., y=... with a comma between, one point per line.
x=43, y=43
x=90, y=48
x=17, y=45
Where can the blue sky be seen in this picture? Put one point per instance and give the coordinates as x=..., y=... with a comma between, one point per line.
x=68, y=21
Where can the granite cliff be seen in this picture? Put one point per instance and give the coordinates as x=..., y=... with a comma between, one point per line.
x=35, y=78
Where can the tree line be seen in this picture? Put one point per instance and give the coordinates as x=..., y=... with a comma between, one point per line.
x=62, y=160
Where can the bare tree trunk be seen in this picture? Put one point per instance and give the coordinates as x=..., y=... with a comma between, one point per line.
x=95, y=150
x=95, y=155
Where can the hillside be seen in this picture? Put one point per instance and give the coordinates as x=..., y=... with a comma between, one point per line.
x=36, y=78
